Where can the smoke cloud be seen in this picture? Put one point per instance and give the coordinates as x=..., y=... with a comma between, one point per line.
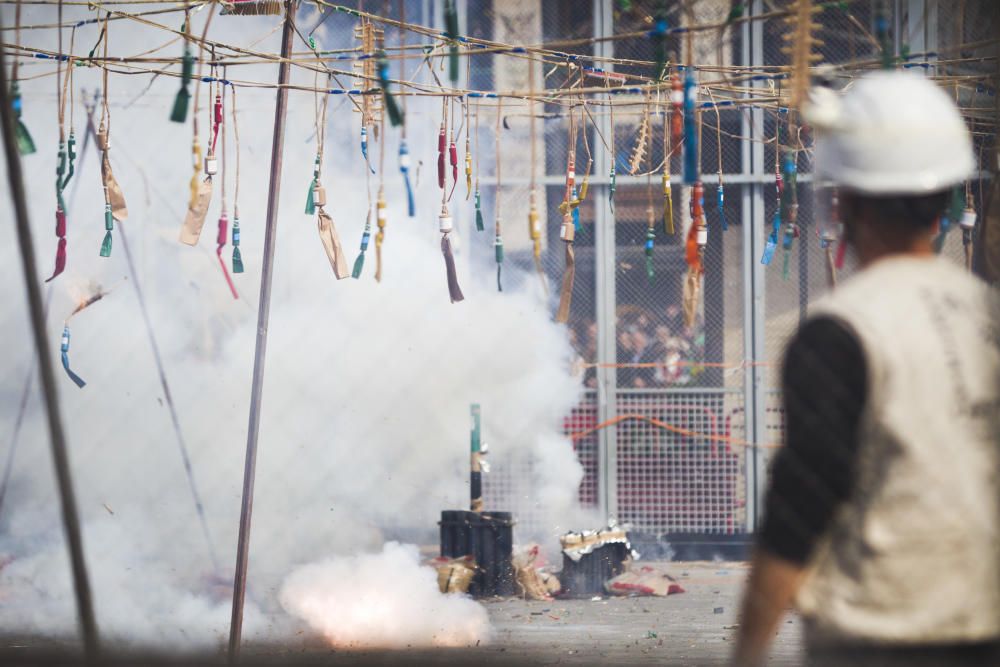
x=365, y=427
x=385, y=600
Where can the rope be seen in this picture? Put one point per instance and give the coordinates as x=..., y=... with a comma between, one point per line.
x=666, y=426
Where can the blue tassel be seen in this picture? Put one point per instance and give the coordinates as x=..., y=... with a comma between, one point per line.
x=364, y=147
x=722, y=208
x=404, y=168
x=690, y=130
x=359, y=263
x=772, y=240
x=943, y=227
x=65, y=359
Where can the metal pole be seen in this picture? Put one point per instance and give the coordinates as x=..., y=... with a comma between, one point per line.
x=605, y=247
x=263, y=313
x=71, y=521
x=754, y=223
x=475, y=461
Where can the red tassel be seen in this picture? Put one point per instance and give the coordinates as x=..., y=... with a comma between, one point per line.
x=60, y=223
x=60, y=259
x=223, y=233
x=442, y=142
x=691, y=249
x=677, y=117
x=453, y=158
x=217, y=119
x=220, y=243
x=841, y=252
x=61, y=246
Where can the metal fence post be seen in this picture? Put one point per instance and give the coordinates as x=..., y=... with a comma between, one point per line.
x=605, y=246
x=754, y=223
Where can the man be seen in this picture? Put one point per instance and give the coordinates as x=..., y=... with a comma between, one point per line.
x=882, y=520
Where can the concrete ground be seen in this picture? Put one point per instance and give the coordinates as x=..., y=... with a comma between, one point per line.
x=692, y=628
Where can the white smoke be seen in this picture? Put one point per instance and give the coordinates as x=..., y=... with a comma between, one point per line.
x=364, y=430
x=385, y=600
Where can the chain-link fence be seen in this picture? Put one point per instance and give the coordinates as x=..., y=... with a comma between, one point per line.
x=632, y=410
x=682, y=388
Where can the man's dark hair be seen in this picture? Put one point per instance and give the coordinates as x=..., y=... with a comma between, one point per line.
x=902, y=212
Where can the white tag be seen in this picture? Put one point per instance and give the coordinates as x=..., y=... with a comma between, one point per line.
x=968, y=220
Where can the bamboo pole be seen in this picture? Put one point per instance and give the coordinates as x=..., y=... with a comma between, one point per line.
x=60, y=458
x=263, y=315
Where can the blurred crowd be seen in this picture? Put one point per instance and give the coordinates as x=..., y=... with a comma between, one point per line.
x=652, y=349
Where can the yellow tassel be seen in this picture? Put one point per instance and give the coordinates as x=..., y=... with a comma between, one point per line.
x=195, y=177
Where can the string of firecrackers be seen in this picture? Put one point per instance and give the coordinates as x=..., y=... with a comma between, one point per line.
x=65, y=159
x=114, y=199
x=691, y=107
x=764, y=102
x=316, y=203
x=673, y=428
x=511, y=48
x=222, y=228
x=201, y=190
x=551, y=96
x=734, y=73
x=483, y=43
x=365, y=32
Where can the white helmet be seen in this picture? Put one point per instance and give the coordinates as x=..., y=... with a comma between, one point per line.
x=892, y=132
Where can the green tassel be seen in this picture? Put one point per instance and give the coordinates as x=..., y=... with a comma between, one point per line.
x=237, y=256
x=649, y=269
x=179, y=113
x=957, y=205
x=479, y=214
x=453, y=64
x=60, y=172
x=659, y=37
x=392, y=108
x=71, y=153
x=359, y=263
x=106, y=246
x=391, y=105
x=611, y=189
x=25, y=144
x=310, y=203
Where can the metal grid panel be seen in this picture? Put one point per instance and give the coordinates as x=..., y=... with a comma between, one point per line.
x=676, y=479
